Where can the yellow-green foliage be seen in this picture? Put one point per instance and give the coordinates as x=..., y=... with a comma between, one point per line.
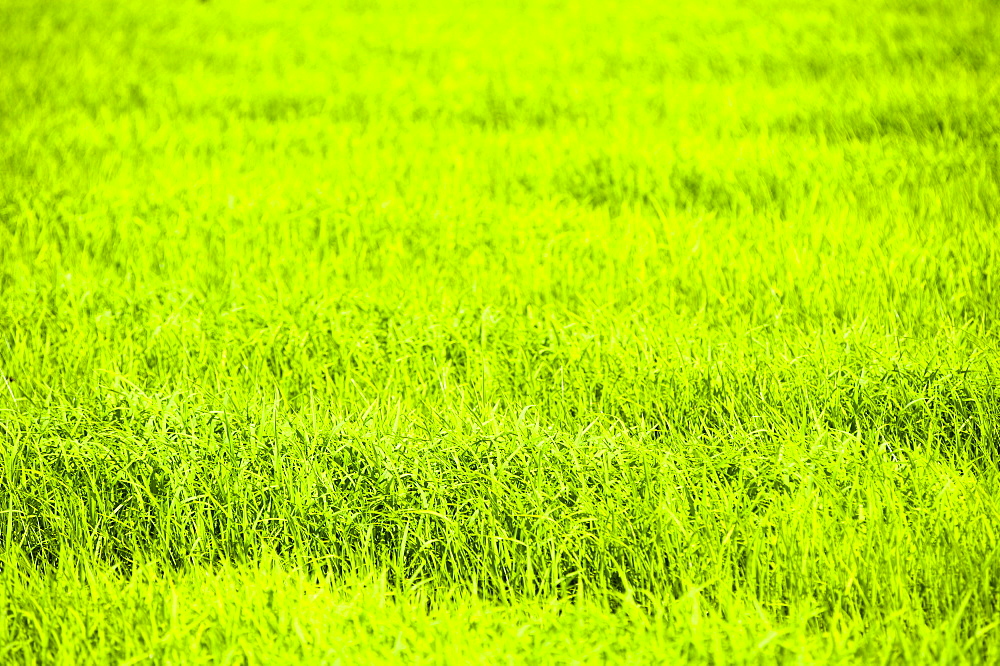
x=447, y=332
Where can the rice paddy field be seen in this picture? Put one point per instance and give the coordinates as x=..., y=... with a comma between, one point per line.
x=475, y=333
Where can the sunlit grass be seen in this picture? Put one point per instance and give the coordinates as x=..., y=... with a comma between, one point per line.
x=434, y=333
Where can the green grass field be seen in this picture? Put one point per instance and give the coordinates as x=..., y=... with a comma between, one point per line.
x=562, y=332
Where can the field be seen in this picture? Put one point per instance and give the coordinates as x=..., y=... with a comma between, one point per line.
x=543, y=332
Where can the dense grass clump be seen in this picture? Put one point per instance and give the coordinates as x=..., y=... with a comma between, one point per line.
x=365, y=332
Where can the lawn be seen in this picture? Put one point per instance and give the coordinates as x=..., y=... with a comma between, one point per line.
x=434, y=332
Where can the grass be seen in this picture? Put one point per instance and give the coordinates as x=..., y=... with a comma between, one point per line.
x=378, y=332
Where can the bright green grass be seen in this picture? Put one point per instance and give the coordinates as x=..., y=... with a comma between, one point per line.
x=366, y=332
